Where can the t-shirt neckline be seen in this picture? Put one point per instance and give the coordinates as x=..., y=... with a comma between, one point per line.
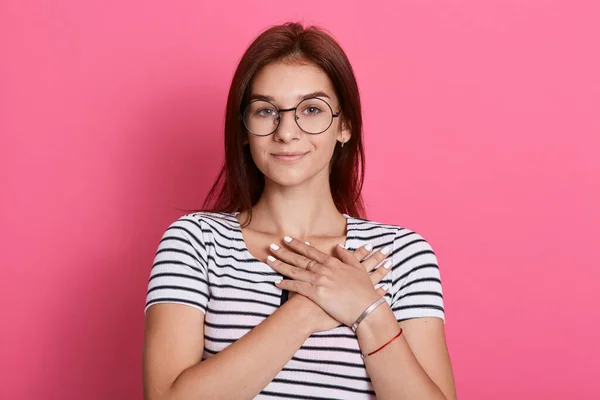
x=247, y=253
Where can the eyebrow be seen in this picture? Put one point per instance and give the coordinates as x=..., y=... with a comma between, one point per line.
x=299, y=98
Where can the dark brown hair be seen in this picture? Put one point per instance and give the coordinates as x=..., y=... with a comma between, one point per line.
x=240, y=183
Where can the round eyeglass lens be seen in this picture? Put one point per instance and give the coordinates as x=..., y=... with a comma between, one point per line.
x=261, y=117
x=314, y=115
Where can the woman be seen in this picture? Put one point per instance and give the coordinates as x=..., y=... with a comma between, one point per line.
x=219, y=324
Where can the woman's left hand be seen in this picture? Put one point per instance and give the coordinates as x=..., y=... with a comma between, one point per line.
x=339, y=285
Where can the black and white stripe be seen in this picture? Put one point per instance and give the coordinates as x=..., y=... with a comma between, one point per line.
x=202, y=261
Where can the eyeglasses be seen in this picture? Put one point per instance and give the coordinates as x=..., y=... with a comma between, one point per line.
x=312, y=115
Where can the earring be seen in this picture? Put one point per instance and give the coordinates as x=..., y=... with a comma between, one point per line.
x=343, y=144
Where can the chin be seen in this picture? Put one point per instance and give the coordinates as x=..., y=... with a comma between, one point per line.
x=293, y=175
x=289, y=177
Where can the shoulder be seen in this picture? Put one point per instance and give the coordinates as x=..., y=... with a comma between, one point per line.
x=206, y=228
x=205, y=220
x=402, y=236
x=410, y=251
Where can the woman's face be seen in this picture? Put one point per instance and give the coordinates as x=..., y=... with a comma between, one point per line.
x=285, y=85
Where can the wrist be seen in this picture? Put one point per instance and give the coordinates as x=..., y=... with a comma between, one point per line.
x=380, y=322
x=377, y=329
x=375, y=302
x=299, y=308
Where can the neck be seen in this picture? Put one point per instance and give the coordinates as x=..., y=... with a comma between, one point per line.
x=301, y=211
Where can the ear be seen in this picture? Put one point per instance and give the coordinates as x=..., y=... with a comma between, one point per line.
x=344, y=133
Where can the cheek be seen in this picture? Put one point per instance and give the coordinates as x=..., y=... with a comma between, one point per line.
x=327, y=142
x=259, y=152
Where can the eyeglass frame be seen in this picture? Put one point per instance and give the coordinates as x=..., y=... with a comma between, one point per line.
x=279, y=111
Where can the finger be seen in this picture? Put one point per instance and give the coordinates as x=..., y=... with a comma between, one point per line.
x=370, y=263
x=363, y=251
x=381, y=291
x=346, y=256
x=291, y=271
x=303, y=288
x=307, y=251
x=378, y=274
x=292, y=258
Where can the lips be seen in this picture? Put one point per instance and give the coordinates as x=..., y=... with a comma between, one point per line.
x=289, y=153
x=289, y=156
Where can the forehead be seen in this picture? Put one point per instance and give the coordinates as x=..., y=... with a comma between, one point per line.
x=286, y=83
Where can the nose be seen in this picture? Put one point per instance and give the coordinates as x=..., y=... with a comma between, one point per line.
x=287, y=130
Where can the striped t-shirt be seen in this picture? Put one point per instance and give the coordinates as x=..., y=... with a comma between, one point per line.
x=202, y=261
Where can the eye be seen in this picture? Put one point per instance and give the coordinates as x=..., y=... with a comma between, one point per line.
x=311, y=110
x=265, y=112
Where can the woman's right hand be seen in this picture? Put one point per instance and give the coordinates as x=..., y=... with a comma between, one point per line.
x=319, y=320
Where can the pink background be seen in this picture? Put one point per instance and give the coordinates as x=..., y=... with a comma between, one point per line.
x=482, y=130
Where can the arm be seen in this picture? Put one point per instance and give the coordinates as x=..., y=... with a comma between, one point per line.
x=174, y=344
x=417, y=364
x=414, y=366
x=174, y=333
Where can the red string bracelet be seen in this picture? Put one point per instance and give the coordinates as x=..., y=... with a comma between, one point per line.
x=390, y=341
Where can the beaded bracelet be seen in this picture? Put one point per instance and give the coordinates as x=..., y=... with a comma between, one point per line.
x=363, y=356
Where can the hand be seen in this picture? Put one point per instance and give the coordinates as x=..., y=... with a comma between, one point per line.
x=320, y=321
x=339, y=286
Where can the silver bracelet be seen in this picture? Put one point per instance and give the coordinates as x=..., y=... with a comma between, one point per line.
x=365, y=313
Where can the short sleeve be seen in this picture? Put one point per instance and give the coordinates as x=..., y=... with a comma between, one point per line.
x=416, y=282
x=179, y=272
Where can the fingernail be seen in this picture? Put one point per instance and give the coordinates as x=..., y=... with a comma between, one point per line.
x=387, y=264
x=277, y=282
x=341, y=245
x=368, y=247
x=385, y=250
x=271, y=258
x=274, y=246
x=307, y=243
x=385, y=288
x=379, y=285
x=287, y=239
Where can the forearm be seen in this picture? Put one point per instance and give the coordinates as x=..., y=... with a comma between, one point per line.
x=245, y=367
x=394, y=371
